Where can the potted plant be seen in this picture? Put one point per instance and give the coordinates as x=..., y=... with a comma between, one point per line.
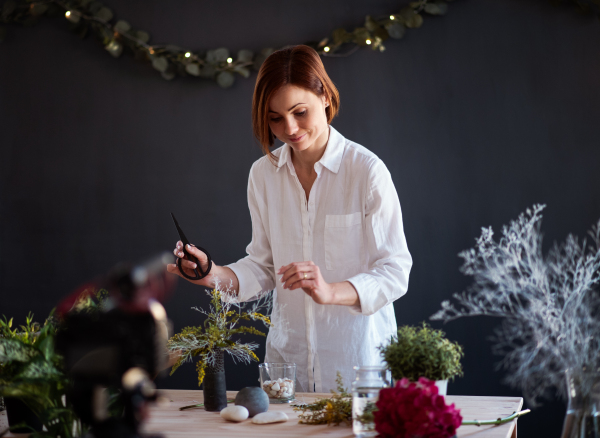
x=214, y=337
x=31, y=375
x=423, y=352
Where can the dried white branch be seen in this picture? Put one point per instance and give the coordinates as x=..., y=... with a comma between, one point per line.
x=550, y=305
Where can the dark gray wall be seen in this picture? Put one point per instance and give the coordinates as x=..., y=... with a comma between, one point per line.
x=478, y=115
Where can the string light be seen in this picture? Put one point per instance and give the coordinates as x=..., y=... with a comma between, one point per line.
x=368, y=41
x=326, y=48
x=151, y=51
x=188, y=54
x=73, y=17
x=392, y=17
x=229, y=60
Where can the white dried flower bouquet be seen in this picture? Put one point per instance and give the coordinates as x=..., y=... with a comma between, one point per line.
x=550, y=305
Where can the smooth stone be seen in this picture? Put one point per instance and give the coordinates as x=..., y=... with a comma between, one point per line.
x=275, y=387
x=234, y=413
x=270, y=417
x=254, y=399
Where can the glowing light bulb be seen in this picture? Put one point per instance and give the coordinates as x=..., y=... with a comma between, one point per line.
x=188, y=54
x=73, y=17
x=368, y=41
x=392, y=17
x=229, y=60
x=326, y=48
x=151, y=51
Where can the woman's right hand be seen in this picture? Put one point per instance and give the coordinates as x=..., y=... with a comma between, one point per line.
x=188, y=266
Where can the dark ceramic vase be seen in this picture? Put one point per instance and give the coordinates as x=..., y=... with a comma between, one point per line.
x=18, y=412
x=214, y=387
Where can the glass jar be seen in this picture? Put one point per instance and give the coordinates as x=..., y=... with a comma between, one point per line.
x=365, y=393
x=583, y=411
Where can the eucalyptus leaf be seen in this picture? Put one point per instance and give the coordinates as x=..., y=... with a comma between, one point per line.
x=168, y=75
x=436, y=8
x=341, y=36
x=122, y=26
x=160, y=63
x=396, y=29
x=361, y=35
x=225, y=79
x=242, y=71
x=193, y=69
x=371, y=24
x=415, y=21
x=221, y=54
x=104, y=14
x=142, y=36
x=245, y=55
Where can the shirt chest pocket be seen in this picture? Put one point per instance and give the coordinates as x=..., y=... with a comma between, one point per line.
x=343, y=240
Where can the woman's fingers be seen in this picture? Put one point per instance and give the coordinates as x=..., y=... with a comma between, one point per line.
x=295, y=272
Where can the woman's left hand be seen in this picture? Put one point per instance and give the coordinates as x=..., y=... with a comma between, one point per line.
x=307, y=275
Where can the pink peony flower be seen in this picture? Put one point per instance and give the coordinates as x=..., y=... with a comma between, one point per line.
x=415, y=410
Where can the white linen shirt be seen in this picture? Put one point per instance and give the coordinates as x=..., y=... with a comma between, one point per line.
x=351, y=227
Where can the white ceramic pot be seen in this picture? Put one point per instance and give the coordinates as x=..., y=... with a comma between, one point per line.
x=442, y=386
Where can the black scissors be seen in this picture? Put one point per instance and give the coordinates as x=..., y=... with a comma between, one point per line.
x=201, y=274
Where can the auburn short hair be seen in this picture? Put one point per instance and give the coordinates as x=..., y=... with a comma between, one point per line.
x=296, y=65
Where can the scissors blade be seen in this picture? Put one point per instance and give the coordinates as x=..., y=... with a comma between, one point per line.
x=184, y=239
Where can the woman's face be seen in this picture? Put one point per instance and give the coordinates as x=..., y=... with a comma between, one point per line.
x=297, y=117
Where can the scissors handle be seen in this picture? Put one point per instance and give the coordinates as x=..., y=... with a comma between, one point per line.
x=199, y=273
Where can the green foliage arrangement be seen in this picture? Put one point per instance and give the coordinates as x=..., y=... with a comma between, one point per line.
x=31, y=370
x=209, y=341
x=85, y=16
x=422, y=352
x=331, y=411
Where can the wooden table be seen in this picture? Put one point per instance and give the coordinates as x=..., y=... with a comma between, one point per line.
x=168, y=420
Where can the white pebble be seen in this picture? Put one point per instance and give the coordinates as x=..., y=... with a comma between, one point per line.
x=234, y=413
x=270, y=417
x=275, y=387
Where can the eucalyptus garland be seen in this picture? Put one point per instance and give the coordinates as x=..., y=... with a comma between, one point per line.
x=118, y=36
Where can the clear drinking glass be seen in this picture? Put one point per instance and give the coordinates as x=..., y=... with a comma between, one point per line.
x=278, y=380
x=365, y=393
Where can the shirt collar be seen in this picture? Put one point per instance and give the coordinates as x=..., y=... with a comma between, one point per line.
x=331, y=159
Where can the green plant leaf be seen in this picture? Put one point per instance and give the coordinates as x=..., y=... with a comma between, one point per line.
x=193, y=69
x=168, y=75
x=122, y=26
x=160, y=63
x=142, y=36
x=242, y=71
x=395, y=29
x=104, y=14
x=221, y=54
x=245, y=55
x=436, y=8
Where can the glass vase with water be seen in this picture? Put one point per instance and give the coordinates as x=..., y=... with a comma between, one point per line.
x=365, y=393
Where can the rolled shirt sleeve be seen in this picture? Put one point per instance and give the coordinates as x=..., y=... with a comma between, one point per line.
x=389, y=260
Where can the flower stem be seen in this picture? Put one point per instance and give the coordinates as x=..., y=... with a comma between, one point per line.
x=511, y=417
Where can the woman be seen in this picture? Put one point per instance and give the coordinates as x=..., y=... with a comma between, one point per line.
x=327, y=230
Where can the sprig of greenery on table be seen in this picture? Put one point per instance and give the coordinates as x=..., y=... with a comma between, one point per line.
x=334, y=410
x=210, y=340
